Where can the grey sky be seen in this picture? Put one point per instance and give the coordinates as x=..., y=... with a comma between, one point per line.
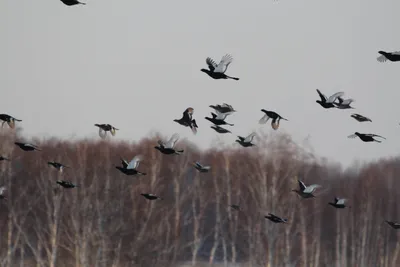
x=136, y=65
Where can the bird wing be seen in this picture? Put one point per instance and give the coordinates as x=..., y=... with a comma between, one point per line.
x=2, y=189
x=333, y=97
x=301, y=185
x=352, y=136
x=225, y=105
x=221, y=116
x=134, y=163
x=198, y=164
x=113, y=131
x=341, y=201
x=347, y=101
x=321, y=95
x=375, y=135
x=211, y=64
x=311, y=188
x=381, y=58
x=264, y=119
x=102, y=133
x=224, y=63
x=171, y=142
x=124, y=163
x=249, y=138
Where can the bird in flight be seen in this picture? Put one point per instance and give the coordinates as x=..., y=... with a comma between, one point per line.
x=391, y=56
x=271, y=115
x=72, y=2
x=187, y=120
x=104, y=128
x=360, y=118
x=217, y=71
x=10, y=120
x=328, y=102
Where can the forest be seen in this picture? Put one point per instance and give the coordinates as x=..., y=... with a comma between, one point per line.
x=106, y=222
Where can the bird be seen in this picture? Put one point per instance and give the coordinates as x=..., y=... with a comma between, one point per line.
x=168, y=148
x=2, y=158
x=131, y=167
x=104, y=128
x=338, y=203
x=59, y=166
x=328, y=102
x=394, y=225
x=246, y=142
x=27, y=147
x=200, y=167
x=344, y=103
x=66, y=184
x=366, y=137
x=360, y=118
x=271, y=115
x=2, y=190
x=224, y=108
x=219, y=118
x=235, y=207
x=275, y=218
x=151, y=196
x=10, y=120
x=219, y=129
x=72, y=2
x=187, y=120
x=391, y=56
x=218, y=71
x=306, y=191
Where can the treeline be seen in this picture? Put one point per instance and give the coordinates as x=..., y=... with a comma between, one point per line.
x=106, y=222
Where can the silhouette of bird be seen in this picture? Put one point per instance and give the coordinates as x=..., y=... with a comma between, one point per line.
x=219, y=118
x=104, y=128
x=131, y=167
x=339, y=203
x=360, y=118
x=59, y=166
x=224, y=108
x=235, y=207
x=218, y=71
x=246, y=142
x=328, y=102
x=344, y=103
x=187, y=120
x=10, y=120
x=27, y=147
x=66, y=184
x=72, y=2
x=275, y=218
x=151, y=196
x=201, y=168
x=271, y=115
x=219, y=129
x=2, y=158
x=2, y=191
x=394, y=225
x=391, y=56
x=169, y=147
x=306, y=191
x=366, y=137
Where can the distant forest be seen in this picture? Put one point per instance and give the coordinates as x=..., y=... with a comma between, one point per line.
x=105, y=222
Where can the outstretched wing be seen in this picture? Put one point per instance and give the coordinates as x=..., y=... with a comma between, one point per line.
x=2, y=190
x=381, y=58
x=249, y=138
x=211, y=64
x=221, y=116
x=333, y=97
x=264, y=119
x=321, y=95
x=124, y=163
x=347, y=101
x=311, y=188
x=301, y=185
x=102, y=133
x=375, y=135
x=198, y=164
x=134, y=163
x=341, y=201
x=224, y=63
x=352, y=136
x=171, y=142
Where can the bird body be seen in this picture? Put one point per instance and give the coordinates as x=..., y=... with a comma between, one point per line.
x=60, y=167
x=394, y=225
x=235, y=207
x=328, y=102
x=360, y=118
x=391, y=56
x=339, y=203
x=104, y=128
x=168, y=148
x=66, y=184
x=10, y=120
x=219, y=118
x=224, y=108
x=275, y=218
x=366, y=137
x=217, y=71
x=131, y=167
x=246, y=142
x=344, y=103
x=187, y=120
x=200, y=167
x=306, y=191
x=27, y=147
x=72, y=2
x=151, y=196
x=271, y=115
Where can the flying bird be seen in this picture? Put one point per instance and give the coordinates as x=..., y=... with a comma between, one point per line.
x=391, y=56
x=219, y=129
x=218, y=71
x=360, y=118
x=344, y=103
x=151, y=196
x=246, y=142
x=224, y=108
x=169, y=147
x=271, y=115
x=187, y=120
x=366, y=137
x=306, y=191
x=275, y=218
x=104, y=128
x=66, y=184
x=219, y=118
x=328, y=102
x=235, y=207
x=59, y=166
x=2, y=191
x=2, y=158
x=27, y=147
x=131, y=167
x=10, y=120
x=201, y=168
x=339, y=203
x=72, y=2
x=394, y=225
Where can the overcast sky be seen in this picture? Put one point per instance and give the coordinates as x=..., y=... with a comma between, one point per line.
x=136, y=65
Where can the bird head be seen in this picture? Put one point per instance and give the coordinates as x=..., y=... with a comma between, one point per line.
x=357, y=133
x=205, y=70
x=319, y=101
x=382, y=52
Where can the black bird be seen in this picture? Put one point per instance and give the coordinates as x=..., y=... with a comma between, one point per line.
x=339, y=203
x=328, y=102
x=187, y=120
x=246, y=142
x=59, y=166
x=131, y=167
x=391, y=56
x=151, y=196
x=200, y=167
x=219, y=118
x=235, y=207
x=72, y=2
x=27, y=147
x=104, y=128
x=218, y=71
x=224, y=108
x=2, y=190
x=366, y=137
x=394, y=225
x=66, y=184
x=4, y=158
x=271, y=115
x=306, y=191
x=9, y=119
x=169, y=147
x=219, y=129
x=360, y=118
x=275, y=218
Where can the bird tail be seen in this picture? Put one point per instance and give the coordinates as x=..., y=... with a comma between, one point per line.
x=233, y=78
x=179, y=151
